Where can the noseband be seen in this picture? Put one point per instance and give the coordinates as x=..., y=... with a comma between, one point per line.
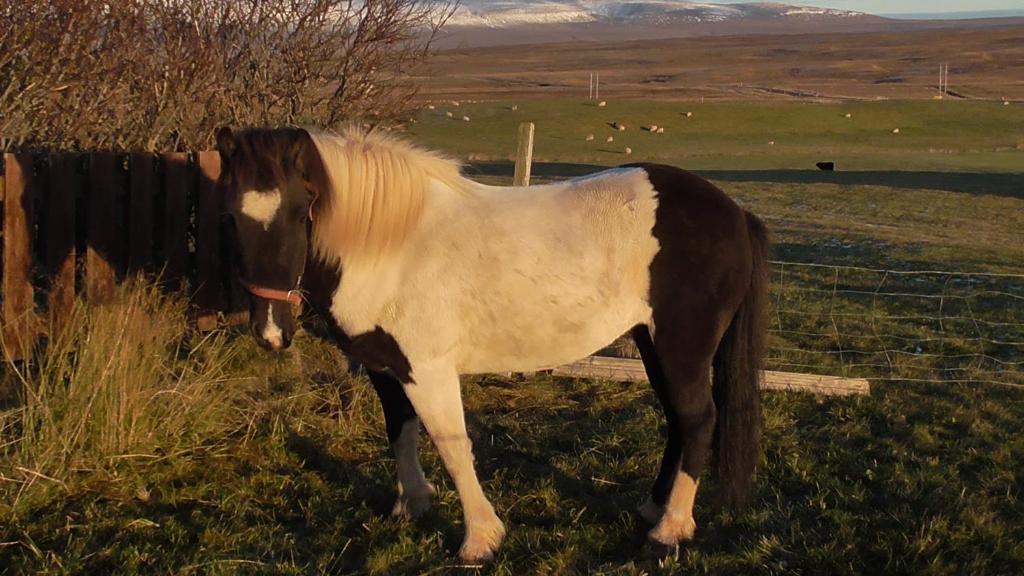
x=293, y=296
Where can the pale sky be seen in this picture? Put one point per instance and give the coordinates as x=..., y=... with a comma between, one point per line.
x=905, y=6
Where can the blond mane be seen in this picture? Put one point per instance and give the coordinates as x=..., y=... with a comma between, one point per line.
x=374, y=193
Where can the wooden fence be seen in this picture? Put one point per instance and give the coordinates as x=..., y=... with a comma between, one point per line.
x=78, y=223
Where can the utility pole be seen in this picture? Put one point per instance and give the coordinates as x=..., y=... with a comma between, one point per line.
x=597, y=86
x=591, y=97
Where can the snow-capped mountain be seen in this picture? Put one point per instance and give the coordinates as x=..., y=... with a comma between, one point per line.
x=507, y=13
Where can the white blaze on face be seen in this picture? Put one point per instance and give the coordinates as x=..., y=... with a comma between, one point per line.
x=261, y=206
x=271, y=332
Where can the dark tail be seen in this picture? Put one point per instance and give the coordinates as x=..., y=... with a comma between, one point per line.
x=737, y=368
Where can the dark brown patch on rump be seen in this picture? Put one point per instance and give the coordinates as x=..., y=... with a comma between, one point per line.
x=706, y=299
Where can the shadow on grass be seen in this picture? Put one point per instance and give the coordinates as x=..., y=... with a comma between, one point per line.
x=1009, y=185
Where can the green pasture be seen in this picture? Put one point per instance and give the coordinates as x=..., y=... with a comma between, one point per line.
x=944, y=135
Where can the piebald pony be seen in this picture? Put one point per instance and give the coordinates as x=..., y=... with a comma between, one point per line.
x=424, y=275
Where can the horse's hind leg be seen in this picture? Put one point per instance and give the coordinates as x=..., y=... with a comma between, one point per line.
x=437, y=398
x=403, y=427
x=652, y=508
x=678, y=362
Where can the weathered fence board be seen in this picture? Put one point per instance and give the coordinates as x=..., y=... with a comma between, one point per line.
x=140, y=212
x=60, y=223
x=101, y=256
x=19, y=322
x=209, y=292
x=631, y=369
x=177, y=186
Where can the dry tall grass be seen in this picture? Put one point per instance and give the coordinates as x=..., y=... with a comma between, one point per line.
x=122, y=381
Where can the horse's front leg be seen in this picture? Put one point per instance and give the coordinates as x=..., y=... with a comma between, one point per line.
x=436, y=396
x=403, y=428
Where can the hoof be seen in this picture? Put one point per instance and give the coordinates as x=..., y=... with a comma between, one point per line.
x=481, y=544
x=411, y=506
x=669, y=532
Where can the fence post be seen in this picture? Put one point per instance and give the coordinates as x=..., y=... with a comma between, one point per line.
x=209, y=292
x=175, y=240
x=524, y=155
x=19, y=329
x=140, y=212
x=65, y=183
x=524, y=162
x=103, y=246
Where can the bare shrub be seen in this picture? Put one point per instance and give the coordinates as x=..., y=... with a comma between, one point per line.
x=162, y=75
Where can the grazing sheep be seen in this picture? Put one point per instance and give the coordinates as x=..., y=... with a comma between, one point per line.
x=895, y=130
x=602, y=104
x=515, y=107
x=771, y=142
x=848, y=115
x=653, y=128
x=449, y=114
x=590, y=137
x=622, y=127
x=1006, y=102
x=430, y=106
x=628, y=150
x=455, y=103
x=661, y=130
x=688, y=114
x=610, y=139
x=465, y=118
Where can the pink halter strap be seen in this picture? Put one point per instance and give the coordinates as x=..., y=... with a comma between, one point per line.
x=293, y=296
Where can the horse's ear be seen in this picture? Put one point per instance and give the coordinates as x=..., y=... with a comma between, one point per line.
x=302, y=145
x=225, y=143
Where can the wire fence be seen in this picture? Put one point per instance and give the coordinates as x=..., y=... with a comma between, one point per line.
x=907, y=325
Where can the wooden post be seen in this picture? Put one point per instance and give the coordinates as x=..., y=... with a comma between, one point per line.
x=65, y=184
x=175, y=240
x=19, y=326
x=524, y=163
x=631, y=369
x=140, y=213
x=524, y=155
x=209, y=292
x=101, y=255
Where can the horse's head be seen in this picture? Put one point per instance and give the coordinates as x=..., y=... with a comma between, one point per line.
x=267, y=191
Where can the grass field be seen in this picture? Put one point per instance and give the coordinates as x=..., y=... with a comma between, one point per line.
x=947, y=136
x=205, y=455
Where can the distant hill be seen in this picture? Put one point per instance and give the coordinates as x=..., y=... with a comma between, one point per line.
x=503, y=22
